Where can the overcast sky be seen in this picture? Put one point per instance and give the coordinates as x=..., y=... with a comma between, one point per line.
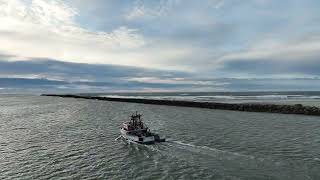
x=159, y=45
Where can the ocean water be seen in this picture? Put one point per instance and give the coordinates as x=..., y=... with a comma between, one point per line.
x=60, y=138
x=308, y=98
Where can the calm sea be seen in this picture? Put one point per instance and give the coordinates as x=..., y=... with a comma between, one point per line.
x=58, y=138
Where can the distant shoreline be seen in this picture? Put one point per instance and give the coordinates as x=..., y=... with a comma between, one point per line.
x=247, y=107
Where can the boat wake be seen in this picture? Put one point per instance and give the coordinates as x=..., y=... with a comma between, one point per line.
x=207, y=150
x=127, y=141
x=119, y=137
x=170, y=146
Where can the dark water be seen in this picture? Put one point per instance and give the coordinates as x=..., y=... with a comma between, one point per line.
x=50, y=137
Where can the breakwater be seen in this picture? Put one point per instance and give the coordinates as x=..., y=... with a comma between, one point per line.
x=269, y=108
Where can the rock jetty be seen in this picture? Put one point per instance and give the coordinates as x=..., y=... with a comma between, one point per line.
x=268, y=108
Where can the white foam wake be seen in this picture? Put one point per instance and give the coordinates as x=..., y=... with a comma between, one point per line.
x=116, y=139
x=209, y=150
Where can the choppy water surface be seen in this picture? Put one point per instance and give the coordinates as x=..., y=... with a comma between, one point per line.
x=308, y=98
x=50, y=137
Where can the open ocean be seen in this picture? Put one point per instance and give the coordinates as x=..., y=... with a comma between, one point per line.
x=309, y=98
x=62, y=138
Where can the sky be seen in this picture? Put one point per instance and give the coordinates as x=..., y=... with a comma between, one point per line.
x=159, y=45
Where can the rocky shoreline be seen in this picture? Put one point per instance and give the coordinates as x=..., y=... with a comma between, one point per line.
x=268, y=108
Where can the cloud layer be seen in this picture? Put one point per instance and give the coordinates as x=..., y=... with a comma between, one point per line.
x=47, y=29
x=165, y=44
x=39, y=76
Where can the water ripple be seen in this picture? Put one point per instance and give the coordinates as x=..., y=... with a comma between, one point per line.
x=44, y=137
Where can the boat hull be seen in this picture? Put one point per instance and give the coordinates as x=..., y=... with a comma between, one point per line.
x=137, y=139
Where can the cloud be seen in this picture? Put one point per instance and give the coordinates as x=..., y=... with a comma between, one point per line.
x=39, y=76
x=271, y=58
x=66, y=71
x=136, y=12
x=144, y=9
x=143, y=41
x=217, y=4
x=47, y=29
x=44, y=75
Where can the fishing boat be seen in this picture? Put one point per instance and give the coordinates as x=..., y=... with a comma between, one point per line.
x=136, y=131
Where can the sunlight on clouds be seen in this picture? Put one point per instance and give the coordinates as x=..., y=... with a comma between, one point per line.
x=53, y=13
x=48, y=29
x=176, y=81
x=198, y=37
x=298, y=50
